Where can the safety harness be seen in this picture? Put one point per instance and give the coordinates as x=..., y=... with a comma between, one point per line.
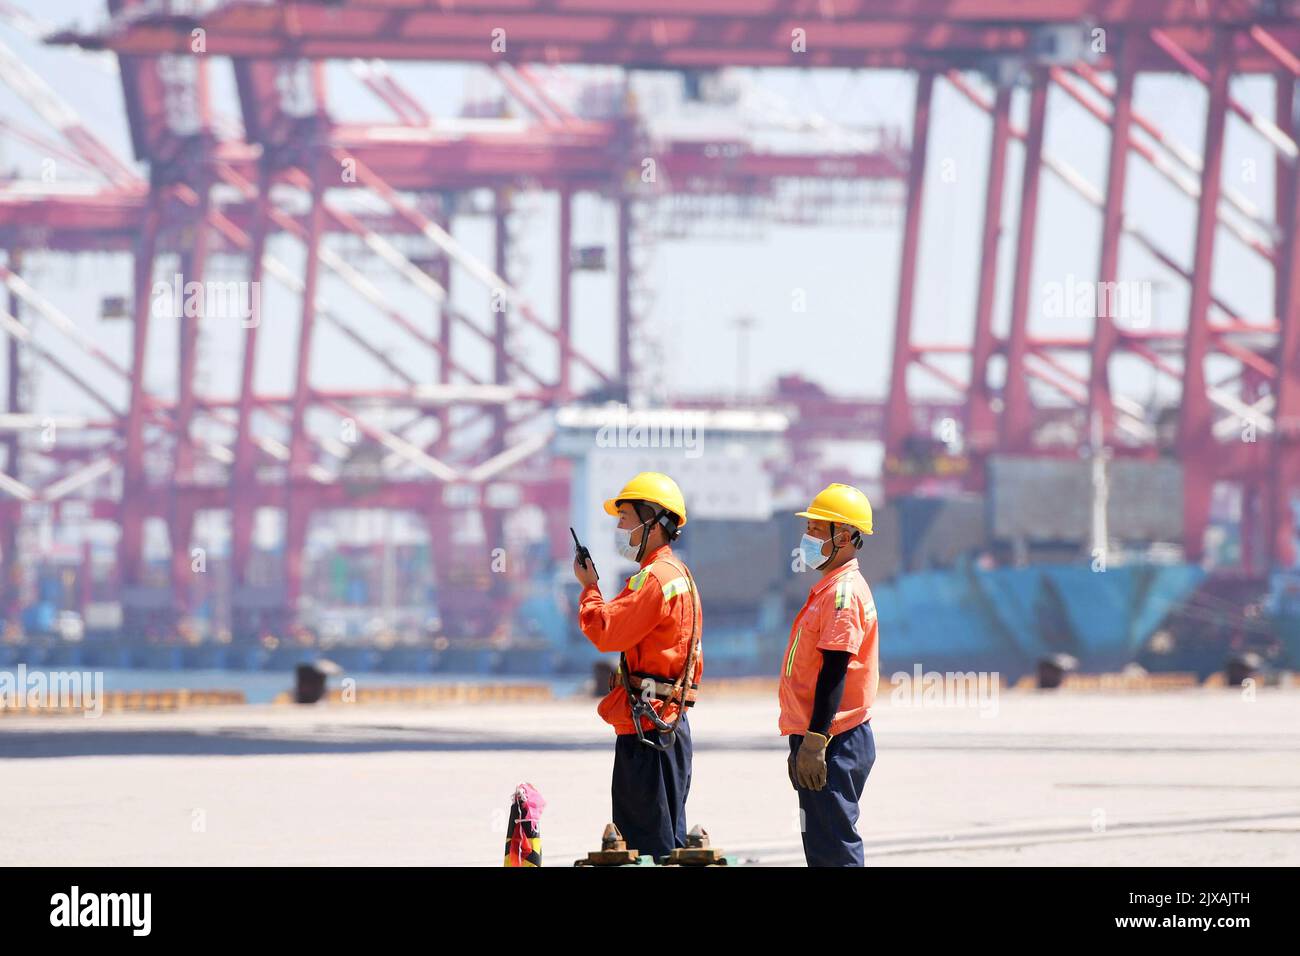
x=649, y=687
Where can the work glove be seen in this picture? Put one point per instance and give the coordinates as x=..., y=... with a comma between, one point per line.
x=789, y=766
x=810, y=762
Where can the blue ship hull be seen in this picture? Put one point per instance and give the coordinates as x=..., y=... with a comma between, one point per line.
x=1003, y=620
x=1009, y=618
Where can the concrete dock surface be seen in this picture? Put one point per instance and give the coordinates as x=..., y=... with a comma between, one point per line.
x=1203, y=777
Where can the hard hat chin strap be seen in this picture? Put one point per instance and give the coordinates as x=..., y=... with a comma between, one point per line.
x=646, y=525
x=834, y=546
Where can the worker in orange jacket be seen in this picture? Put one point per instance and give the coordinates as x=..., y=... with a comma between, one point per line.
x=828, y=679
x=655, y=625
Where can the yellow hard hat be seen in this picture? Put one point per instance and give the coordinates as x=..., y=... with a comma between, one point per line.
x=842, y=504
x=654, y=487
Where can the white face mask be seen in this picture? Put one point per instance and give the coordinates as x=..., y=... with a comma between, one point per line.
x=623, y=542
x=810, y=549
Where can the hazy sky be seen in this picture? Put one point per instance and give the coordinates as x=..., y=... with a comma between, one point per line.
x=849, y=276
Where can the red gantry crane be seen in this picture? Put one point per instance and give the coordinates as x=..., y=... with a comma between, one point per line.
x=1092, y=51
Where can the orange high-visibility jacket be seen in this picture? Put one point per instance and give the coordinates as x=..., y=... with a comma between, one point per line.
x=649, y=621
x=839, y=615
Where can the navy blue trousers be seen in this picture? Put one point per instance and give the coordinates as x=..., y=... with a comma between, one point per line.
x=830, y=815
x=649, y=792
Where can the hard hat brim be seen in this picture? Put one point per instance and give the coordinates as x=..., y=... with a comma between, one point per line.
x=828, y=516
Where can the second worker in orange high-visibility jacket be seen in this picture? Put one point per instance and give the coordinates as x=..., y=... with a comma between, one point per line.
x=655, y=624
x=829, y=674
